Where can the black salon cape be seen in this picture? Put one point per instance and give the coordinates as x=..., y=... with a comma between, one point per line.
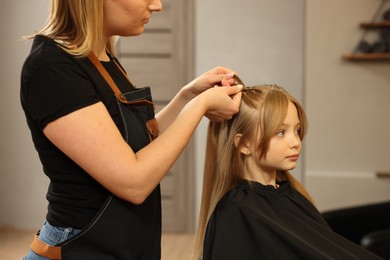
x=253, y=221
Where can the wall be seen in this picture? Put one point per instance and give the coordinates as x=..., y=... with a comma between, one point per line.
x=348, y=105
x=22, y=183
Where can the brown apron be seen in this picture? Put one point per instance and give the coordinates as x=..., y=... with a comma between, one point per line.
x=120, y=230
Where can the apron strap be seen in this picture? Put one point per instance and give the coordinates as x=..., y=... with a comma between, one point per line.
x=152, y=124
x=92, y=57
x=46, y=250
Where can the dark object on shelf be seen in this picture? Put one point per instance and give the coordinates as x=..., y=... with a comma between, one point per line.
x=378, y=47
x=386, y=15
x=363, y=47
x=366, y=225
x=385, y=34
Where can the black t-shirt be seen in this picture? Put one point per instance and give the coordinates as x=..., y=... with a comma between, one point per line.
x=253, y=221
x=53, y=84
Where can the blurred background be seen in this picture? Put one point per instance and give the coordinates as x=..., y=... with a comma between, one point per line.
x=297, y=44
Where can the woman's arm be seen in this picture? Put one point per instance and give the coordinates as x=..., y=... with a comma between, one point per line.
x=91, y=139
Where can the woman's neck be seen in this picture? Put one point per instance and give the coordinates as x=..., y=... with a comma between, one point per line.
x=100, y=51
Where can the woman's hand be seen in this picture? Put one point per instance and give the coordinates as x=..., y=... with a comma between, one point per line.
x=222, y=102
x=219, y=76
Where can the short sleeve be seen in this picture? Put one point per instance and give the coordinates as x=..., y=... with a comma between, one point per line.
x=55, y=90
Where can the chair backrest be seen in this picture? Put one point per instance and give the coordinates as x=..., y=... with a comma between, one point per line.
x=378, y=242
x=355, y=222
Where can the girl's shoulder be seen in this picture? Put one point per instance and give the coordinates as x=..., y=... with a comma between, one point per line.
x=239, y=196
x=249, y=196
x=246, y=189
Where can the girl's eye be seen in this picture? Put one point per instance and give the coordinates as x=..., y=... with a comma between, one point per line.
x=280, y=133
x=298, y=131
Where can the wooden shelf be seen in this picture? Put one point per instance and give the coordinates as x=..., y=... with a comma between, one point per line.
x=376, y=25
x=383, y=174
x=367, y=57
x=365, y=51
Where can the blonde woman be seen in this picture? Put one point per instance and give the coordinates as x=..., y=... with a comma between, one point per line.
x=252, y=207
x=96, y=134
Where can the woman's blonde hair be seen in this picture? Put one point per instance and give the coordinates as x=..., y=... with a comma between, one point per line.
x=262, y=111
x=76, y=24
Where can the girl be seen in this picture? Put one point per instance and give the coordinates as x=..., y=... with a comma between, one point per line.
x=252, y=207
x=93, y=131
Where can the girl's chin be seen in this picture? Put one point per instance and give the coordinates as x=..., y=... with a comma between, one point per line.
x=289, y=168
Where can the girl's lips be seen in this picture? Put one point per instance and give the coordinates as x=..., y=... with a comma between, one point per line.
x=294, y=157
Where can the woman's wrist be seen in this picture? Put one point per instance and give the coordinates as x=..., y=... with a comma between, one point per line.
x=186, y=92
x=199, y=103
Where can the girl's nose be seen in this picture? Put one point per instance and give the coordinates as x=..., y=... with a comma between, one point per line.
x=295, y=142
x=155, y=6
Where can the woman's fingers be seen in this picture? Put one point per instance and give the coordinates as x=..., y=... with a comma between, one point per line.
x=224, y=103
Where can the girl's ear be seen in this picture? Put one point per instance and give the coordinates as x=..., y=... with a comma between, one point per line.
x=242, y=144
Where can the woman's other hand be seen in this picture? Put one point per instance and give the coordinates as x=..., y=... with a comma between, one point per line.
x=222, y=102
x=220, y=76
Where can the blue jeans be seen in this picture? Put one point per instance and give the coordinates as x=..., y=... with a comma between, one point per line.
x=51, y=235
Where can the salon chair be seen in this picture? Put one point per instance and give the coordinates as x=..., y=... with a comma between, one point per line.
x=365, y=225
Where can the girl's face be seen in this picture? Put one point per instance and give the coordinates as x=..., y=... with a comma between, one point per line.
x=128, y=17
x=283, y=152
x=285, y=145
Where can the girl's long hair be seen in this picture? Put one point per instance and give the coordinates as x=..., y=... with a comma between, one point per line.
x=262, y=111
x=76, y=24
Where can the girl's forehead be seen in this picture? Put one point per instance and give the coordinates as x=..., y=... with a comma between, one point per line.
x=292, y=114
